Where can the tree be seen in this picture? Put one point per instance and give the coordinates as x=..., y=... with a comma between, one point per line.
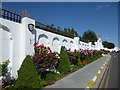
x=89, y=36
x=108, y=45
x=72, y=31
x=68, y=29
x=58, y=28
x=76, y=34
x=65, y=29
x=27, y=75
x=52, y=25
x=64, y=64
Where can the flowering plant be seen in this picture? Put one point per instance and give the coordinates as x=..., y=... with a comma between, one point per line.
x=84, y=62
x=45, y=59
x=8, y=82
x=73, y=60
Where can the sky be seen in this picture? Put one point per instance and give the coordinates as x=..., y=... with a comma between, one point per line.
x=100, y=17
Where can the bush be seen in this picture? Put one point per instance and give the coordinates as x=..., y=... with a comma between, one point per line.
x=45, y=59
x=105, y=51
x=72, y=58
x=77, y=55
x=42, y=83
x=27, y=75
x=7, y=83
x=50, y=77
x=64, y=64
x=4, y=68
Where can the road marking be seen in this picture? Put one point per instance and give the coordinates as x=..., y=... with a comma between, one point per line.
x=97, y=74
x=106, y=84
x=91, y=83
x=101, y=85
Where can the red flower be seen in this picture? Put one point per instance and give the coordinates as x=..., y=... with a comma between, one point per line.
x=49, y=63
x=43, y=69
x=43, y=54
x=35, y=48
x=36, y=56
x=41, y=58
x=53, y=54
x=38, y=47
x=47, y=67
x=54, y=60
x=84, y=62
x=49, y=48
x=35, y=44
x=48, y=55
x=36, y=63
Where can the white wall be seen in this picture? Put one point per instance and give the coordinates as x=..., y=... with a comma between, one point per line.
x=18, y=42
x=54, y=41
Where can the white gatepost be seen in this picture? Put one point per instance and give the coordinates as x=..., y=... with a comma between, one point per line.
x=29, y=37
x=90, y=45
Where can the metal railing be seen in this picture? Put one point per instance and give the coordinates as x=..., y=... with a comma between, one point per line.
x=52, y=29
x=14, y=16
x=11, y=15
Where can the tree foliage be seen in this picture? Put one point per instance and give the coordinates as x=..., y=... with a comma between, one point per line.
x=89, y=36
x=108, y=45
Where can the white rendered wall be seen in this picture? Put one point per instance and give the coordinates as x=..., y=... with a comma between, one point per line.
x=18, y=43
x=54, y=41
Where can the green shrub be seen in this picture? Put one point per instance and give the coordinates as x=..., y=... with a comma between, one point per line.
x=50, y=77
x=27, y=75
x=77, y=55
x=4, y=68
x=105, y=51
x=64, y=64
x=42, y=83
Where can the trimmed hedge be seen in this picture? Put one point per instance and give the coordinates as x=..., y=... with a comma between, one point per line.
x=27, y=75
x=64, y=64
x=77, y=55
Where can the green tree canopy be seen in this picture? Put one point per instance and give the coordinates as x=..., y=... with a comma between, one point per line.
x=108, y=45
x=89, y=36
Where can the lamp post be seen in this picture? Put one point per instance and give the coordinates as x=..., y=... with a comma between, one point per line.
x=33, y=31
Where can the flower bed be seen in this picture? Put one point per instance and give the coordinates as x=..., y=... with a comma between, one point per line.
x=51, y=66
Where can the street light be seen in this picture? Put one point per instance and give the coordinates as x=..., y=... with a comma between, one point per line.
x=31, y=27
x=33, y=31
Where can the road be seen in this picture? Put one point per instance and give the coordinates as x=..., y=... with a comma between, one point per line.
x=111, y=75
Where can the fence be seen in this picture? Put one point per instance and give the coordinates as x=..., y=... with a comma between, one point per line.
x=11, y=15
x=51, y=29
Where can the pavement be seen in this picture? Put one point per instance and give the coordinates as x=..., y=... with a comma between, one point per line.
x=81, y=77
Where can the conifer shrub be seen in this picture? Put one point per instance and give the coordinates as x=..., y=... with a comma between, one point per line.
x=64, y=64
x=50, y=77
x=77, y=55
x=27, y=75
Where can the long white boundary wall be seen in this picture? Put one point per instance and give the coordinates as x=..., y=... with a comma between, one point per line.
x=17, y=42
